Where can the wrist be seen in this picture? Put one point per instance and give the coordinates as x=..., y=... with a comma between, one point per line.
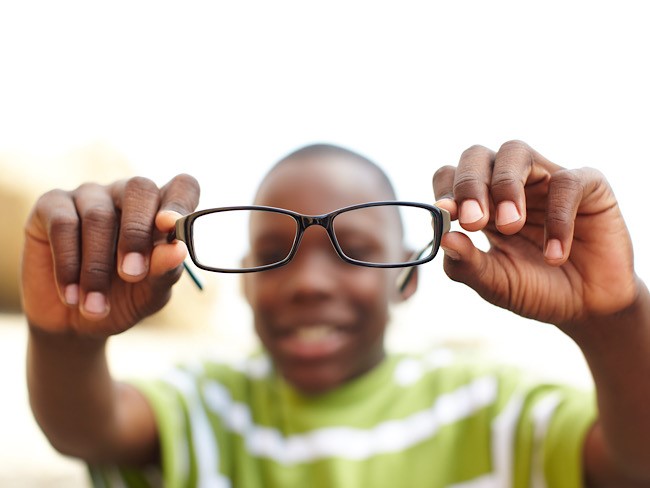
x=628, y=325
x=65, y=341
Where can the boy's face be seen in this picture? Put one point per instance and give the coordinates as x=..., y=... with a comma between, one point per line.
x=321, y=319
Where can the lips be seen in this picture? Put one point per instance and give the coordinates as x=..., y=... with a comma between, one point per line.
x=312, y=342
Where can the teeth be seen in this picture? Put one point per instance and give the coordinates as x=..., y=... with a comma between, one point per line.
x=315, y=333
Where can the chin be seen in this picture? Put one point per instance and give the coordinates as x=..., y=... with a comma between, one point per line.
x=313, y=381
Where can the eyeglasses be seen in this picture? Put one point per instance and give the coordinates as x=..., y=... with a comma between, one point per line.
x=253, y=238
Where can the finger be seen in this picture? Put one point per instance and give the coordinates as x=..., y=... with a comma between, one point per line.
x=99, y=227
x=139, y=200
x=471, y=184
x=513, y=164
x=517, y=167
x=443, y=190
x=443, y=182
x=566, y=191
x=166, y=261
x=463, y=261
x=58, y=224
x=165, y=271
x=179, y=197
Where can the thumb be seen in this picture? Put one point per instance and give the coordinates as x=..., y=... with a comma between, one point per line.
x=464, y=262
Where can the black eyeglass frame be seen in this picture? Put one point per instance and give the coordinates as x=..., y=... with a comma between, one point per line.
x=440, y=220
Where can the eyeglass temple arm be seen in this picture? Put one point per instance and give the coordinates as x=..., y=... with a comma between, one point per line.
x=193, y=275
x=407, y=273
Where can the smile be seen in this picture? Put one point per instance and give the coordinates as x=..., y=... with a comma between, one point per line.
x=313, y=342
x=315, y=334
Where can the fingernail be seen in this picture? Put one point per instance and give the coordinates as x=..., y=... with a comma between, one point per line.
x=507, y=213
x=95, y=303
x=451, y=254
x=71, y=294
x=470, y=212
x=166, y=219
x=173, y=213
x=133, y=264
x=554, y=249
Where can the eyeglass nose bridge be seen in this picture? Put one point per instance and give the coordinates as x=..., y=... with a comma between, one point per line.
x=324, y=221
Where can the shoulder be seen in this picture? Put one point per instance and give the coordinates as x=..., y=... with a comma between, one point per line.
x=208, y=381
x=474, y=376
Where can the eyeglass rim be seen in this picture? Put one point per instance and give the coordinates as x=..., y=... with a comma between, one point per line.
x=441, y=217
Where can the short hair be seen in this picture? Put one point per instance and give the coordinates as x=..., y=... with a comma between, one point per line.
x=324, y=150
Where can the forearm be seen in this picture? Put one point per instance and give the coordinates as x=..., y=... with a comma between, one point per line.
x=77, y=403
x=617, y=349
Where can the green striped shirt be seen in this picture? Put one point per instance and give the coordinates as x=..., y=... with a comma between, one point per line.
x=431, y=420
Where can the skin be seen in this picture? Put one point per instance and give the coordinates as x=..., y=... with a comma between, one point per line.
x=318, y=288
x=560, y=252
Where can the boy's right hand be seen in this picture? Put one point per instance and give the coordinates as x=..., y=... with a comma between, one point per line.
x=96, y=260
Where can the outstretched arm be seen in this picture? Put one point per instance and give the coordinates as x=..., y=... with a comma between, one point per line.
x=95, y=263
x=560, y=253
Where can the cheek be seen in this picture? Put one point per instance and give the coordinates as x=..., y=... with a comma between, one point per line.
x=258, y=295
x=261, y=302
x=372, y=292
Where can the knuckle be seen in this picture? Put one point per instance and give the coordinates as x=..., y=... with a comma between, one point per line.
x=88, y=188
x=97, y=273
x=49, y=195
x=468, y=180
x=46, y=204
x=64, y=223
x=443, y=171
x=474, y=150
x=558, y=218
x=512, y=152
x=442, y=181
x=182, y=193
x=188, y=187
x=140, y=183
x=505, y=179
x=560, y=212
x=140, y=189
x=68, y=267
x=567, y=188
x=135, y=231
x=99, y=215
x=566, y=181
x=594, y=175
x=185, y=179
x=514, y=145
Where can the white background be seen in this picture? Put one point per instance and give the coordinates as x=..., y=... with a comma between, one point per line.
x=223, y=89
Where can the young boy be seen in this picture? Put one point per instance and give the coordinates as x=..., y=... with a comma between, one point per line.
x=330, y=408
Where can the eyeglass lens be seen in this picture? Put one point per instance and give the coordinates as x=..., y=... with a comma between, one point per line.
x=244, y=239
x=380, y=234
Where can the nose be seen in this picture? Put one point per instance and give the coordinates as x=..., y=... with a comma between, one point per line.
x=312, y=273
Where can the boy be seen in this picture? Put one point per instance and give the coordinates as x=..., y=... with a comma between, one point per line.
x=333, y=410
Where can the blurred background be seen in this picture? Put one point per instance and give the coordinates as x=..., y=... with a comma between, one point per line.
x=94, y=91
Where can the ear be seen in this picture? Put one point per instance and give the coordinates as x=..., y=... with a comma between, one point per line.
x=406, y=283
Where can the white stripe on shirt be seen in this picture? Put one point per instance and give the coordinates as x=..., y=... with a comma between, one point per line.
x=347, y=442
x=205, y=446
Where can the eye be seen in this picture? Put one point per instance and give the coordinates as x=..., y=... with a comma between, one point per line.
x=361, y=250
x=269, y=255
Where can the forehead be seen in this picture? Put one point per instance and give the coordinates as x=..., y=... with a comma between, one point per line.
x=320, y=184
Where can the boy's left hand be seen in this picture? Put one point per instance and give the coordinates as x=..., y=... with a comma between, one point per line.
x=559, y=250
